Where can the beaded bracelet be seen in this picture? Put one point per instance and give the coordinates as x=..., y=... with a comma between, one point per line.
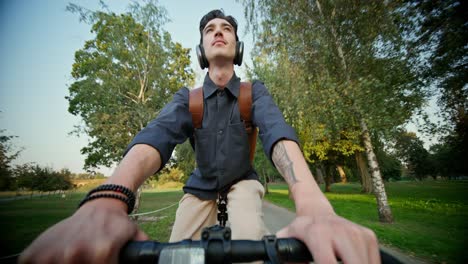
x=129, y=200
x=114, y=188
x=130, y=205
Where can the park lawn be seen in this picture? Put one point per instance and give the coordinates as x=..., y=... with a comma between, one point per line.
x=23, y=220
x=161, y=229
x=430, y=216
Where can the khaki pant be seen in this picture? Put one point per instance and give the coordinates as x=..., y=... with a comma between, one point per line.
x=244, y=207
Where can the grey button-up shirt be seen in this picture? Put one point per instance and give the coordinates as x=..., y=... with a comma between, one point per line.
x=221, y=145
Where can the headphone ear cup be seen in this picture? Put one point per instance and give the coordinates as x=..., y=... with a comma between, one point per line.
x=201, y=57
x=239, y=53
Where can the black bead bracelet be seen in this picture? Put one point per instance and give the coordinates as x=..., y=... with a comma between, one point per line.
x=129, y=200
x=114, y=188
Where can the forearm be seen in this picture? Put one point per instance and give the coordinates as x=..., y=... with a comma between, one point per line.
x=139, y=163
x=291, y=164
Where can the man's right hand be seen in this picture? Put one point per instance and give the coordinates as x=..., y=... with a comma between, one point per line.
x=93, y=234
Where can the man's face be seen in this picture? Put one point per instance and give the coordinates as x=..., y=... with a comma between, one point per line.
x=219, y=40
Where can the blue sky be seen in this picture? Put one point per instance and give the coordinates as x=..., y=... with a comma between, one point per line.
x=38, y=40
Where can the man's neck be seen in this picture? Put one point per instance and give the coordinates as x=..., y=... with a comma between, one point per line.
x=221, y=74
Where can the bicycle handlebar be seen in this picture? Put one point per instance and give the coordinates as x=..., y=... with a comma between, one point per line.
x=288, y=250
x=270, y=249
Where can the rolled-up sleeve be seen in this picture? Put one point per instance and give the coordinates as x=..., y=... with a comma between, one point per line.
x=172, y=126
x=269, y=119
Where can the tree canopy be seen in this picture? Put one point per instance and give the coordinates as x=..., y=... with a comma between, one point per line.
x=344, y=63
x=440, y=43
x=123, y=77
x=7, y=154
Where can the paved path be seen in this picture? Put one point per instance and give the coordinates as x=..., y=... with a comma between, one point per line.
x=276, y=217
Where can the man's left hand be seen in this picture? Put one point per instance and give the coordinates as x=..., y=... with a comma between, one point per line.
x=329, y=237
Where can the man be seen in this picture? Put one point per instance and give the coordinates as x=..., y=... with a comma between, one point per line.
x=96, y=232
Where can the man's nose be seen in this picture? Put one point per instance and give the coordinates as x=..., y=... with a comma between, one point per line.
x=218, y=32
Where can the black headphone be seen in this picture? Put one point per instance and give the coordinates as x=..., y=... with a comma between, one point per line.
x=204, y=62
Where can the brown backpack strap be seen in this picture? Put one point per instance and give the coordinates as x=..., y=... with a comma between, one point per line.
x=245, y=105
x=196, y=106
x=245, y=108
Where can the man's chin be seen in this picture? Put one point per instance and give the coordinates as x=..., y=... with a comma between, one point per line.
x=223, y=57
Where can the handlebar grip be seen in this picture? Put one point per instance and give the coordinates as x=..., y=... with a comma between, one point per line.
x=140, y=252
x=293, y=250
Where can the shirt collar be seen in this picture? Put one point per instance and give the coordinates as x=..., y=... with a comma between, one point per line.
x=209, y=87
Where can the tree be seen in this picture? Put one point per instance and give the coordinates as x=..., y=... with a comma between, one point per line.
x=441, y=32
x=411, y=149
x=264, y=167
x=447, y=159
x=43, y=179
x=352, y=56
x=366, y=181
x=7, y=155
x=185, y=159
x=440, y=47
x=173, y=174
x=331, y=152
x=64, y=180
x=390, y=165
x=123, y=77
x=316, y=133
x=26, y=177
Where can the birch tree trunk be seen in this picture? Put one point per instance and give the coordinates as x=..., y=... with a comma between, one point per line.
x=342, y=174
x=385, y=214
x=366, y=181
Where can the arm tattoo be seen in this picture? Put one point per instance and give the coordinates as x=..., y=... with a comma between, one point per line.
x=283, y=163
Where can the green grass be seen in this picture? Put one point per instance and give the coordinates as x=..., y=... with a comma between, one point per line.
x=430, y=216
x=23, y=220
x=161, y=229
